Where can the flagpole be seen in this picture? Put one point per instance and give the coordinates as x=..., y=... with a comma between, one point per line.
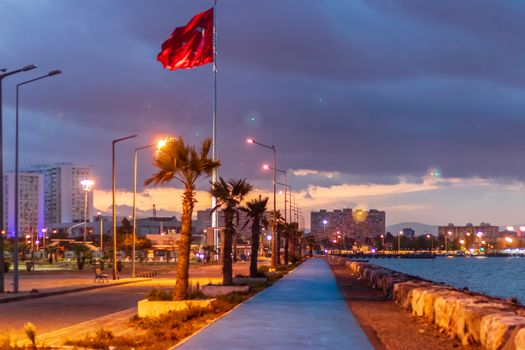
x=215, y=174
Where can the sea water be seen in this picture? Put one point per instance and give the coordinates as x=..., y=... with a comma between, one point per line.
x=497, y=276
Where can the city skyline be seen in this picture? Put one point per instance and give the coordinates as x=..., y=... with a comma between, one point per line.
x=432, y=132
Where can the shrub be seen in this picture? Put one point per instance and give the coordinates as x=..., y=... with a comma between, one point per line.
x=159, y=295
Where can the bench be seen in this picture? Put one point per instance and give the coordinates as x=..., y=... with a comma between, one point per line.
x=99, y=276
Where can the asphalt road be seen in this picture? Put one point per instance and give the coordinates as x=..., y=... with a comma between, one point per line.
x=55, y=312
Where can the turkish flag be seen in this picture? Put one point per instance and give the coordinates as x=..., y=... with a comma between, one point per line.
x=191, y=45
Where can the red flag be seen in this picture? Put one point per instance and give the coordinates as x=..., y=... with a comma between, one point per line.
x=191, y=45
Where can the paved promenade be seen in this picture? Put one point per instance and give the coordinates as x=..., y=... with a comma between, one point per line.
x=304, y=310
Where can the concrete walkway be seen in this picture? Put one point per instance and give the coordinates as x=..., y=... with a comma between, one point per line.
x=304, y=310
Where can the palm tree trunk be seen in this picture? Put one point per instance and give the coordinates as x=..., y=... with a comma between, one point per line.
x=183, y=263
x=235, y=246
x=255, y=247
x=227, y=268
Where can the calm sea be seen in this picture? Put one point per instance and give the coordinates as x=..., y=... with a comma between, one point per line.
x=502, y=277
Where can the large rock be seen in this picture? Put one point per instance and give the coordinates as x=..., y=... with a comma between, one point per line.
x=496, y=329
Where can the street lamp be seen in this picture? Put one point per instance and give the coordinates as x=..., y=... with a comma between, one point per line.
x=101, y=222
x=5, y=74
x=383, y=243
x=17, y=157
x=431, y=242
x=268, y=167
x=399, y=241
x=275, y=252
x=449, y=233
x=44, y=231
x=159, y=145
x=87, y=185
x=114, y=191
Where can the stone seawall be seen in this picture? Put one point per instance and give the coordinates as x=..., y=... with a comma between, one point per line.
x=473, y=318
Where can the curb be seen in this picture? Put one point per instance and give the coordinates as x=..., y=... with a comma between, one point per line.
x=68, y=291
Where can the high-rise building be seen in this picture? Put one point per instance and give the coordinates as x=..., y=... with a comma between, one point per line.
x=357, y=224
x=30, y=203
x=63, y=193
x=487, y=231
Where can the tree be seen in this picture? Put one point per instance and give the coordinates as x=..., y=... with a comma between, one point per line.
x=208, y=250
x=229, y=195
x=279, y=226
x=184, y=163
x=81, y=252
x=290, y=233
x=255, y=210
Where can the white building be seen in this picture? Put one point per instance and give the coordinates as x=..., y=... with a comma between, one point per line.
x=64, y=196
x=30, y=202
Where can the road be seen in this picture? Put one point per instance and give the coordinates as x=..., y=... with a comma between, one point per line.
x=55, y=312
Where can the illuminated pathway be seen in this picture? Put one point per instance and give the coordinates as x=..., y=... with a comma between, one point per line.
x=304, y=310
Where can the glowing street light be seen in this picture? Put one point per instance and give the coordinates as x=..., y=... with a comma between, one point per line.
x=44, y=231
x=399, y=241
x=162, y=143
x=275, y=250
x=87, y=185
x=268, y=167
x=431, y=242
x=449, y=233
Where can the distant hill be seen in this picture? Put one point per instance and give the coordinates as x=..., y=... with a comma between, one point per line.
x=416, y=226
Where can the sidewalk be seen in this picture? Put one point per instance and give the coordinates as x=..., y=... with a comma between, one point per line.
x=304, y=310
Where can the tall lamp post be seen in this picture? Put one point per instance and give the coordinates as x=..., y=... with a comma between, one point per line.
x=114, y=191
x=4, y=74
x=159, y=145
x=274, y=223
x=101, y=222
x=449, y=233
x=17, y=157
x=399, y=241
x=87, y=185
x=268, y=167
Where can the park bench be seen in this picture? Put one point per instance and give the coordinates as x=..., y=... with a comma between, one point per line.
x=99, y=276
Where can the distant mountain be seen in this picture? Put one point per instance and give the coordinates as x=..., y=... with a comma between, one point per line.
x=416, y=226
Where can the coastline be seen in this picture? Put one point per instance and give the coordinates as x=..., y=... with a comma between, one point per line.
x=474, y=319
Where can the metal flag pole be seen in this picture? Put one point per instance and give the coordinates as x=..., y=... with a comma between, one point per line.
x=215, y=173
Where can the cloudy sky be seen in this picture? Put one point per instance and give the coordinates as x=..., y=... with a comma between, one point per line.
x=364, y=99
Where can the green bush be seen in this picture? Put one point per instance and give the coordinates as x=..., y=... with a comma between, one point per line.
x=159, y=295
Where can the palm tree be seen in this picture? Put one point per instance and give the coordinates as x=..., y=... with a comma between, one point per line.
x=229, y=196
x=279, y=226
x=255, y=210
x=290, y=233
x=177, y=160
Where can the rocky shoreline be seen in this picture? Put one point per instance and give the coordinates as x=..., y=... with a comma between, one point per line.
x=473, y=318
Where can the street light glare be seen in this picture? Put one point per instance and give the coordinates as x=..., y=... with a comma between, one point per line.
x=266, y=167
x=87, y=184
x=249, y=140
x=162, y=143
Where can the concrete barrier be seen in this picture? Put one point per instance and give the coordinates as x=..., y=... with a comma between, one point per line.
x=473, y=318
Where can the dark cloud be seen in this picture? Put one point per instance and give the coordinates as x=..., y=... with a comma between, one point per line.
x=376, y=89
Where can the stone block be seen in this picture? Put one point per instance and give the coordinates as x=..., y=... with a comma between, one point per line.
x=496, y=329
